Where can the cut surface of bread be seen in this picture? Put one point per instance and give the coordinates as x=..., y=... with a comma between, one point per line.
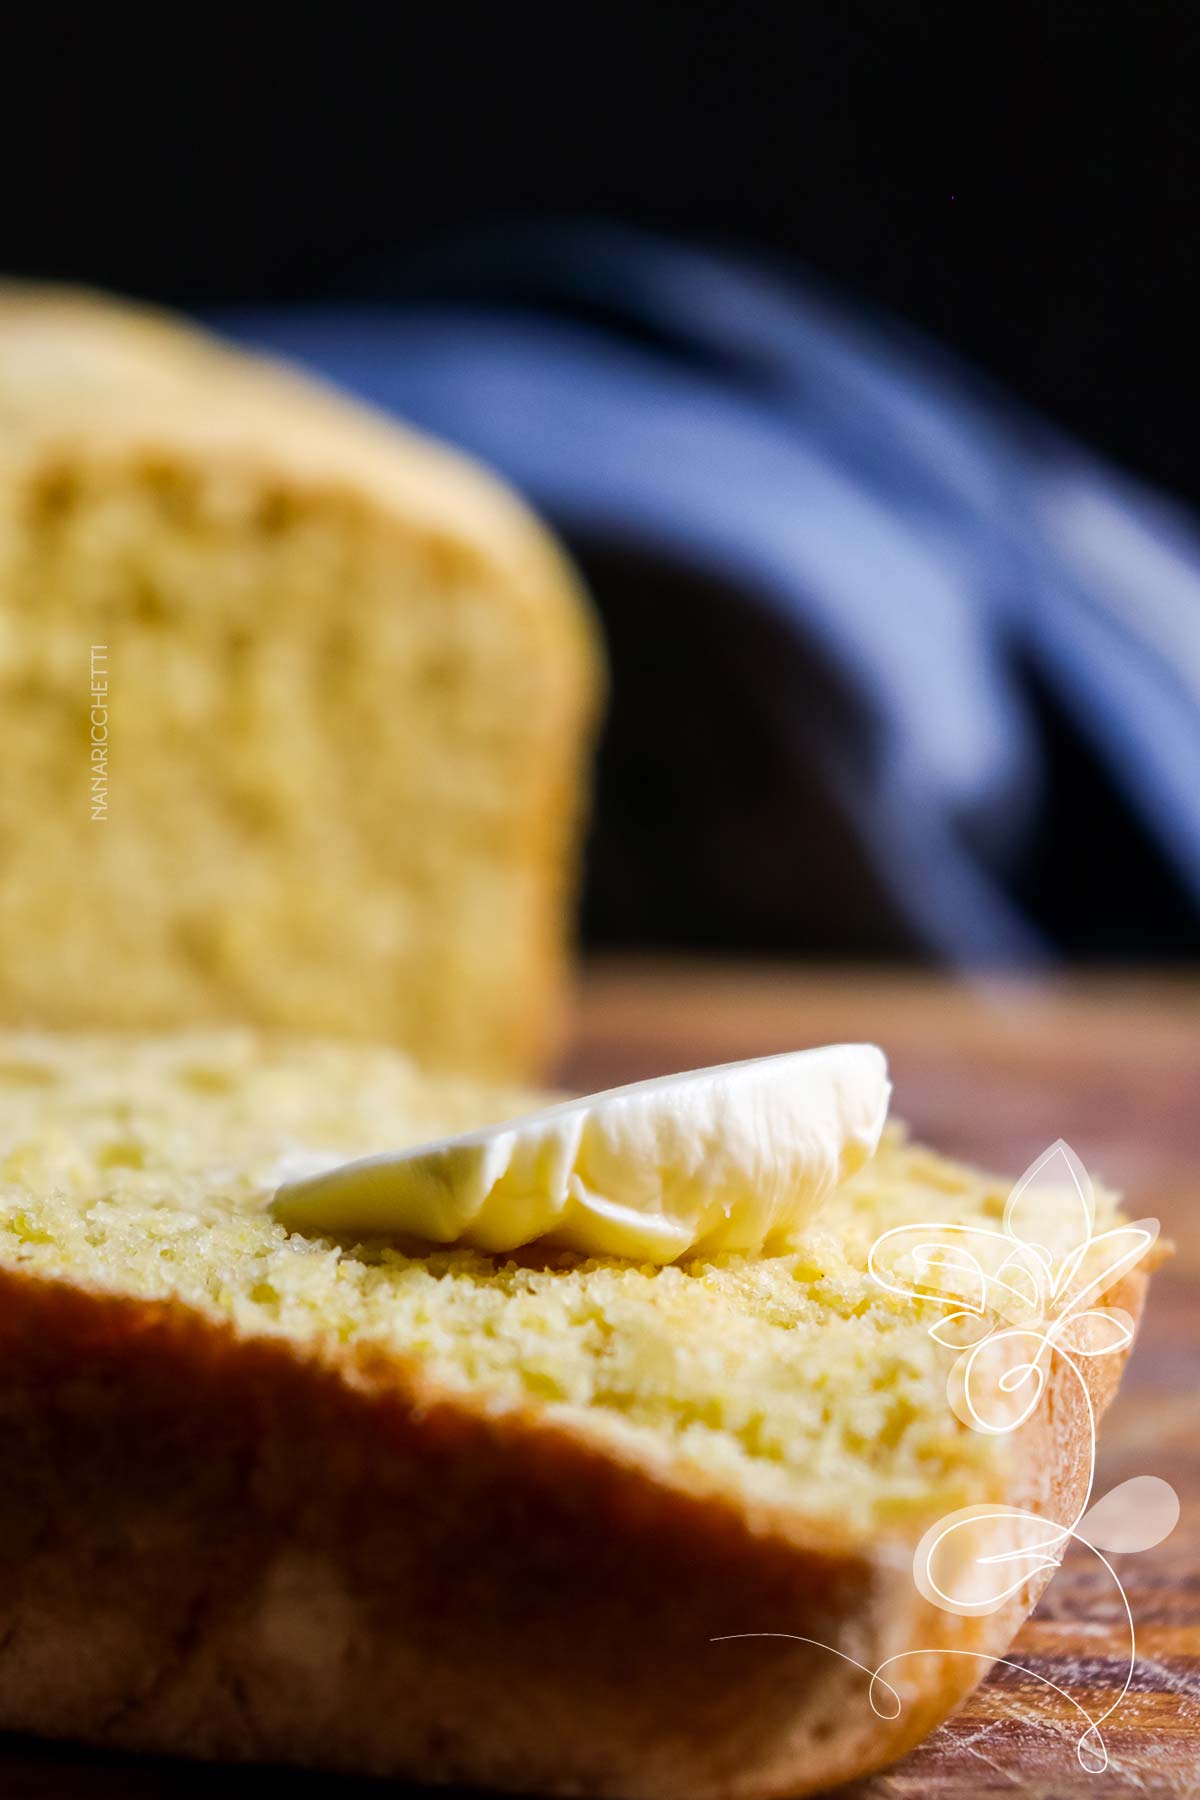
x=297, y=705
x=426, y=1512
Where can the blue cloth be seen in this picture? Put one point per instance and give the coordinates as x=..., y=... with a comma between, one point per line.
x=896, y=667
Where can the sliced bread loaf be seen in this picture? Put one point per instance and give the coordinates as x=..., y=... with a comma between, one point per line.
x=296, y=705
x=427, y=1513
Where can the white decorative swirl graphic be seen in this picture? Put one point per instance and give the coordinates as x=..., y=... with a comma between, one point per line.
x=1013, y=1300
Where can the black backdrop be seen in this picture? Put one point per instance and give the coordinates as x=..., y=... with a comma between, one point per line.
x=1022, y=180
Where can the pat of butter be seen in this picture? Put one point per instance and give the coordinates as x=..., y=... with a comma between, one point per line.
x=728, y=1158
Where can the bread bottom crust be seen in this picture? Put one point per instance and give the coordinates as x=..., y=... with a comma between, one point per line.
x=213, y=1547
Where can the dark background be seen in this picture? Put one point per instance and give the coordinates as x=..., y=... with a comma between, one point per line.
x=1022, y=181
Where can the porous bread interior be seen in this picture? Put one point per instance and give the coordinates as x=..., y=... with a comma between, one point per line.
x=348, y=682
x=145, y=1168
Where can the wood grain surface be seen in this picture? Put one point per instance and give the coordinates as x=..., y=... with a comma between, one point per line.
x=995, y=1070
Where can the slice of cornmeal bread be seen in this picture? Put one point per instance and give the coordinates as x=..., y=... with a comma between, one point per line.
x=296, y=705
x=426, y=1513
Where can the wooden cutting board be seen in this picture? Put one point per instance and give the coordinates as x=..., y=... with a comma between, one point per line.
x=995, y=1071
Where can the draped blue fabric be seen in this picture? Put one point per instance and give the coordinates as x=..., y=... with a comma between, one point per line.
x=896, y=666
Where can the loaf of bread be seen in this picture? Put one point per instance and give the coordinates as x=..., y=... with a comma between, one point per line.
x=421, y=1512
x=296, y=706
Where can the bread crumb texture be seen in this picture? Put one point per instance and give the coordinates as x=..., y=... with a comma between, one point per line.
x=350, y=687
x=145, y=1167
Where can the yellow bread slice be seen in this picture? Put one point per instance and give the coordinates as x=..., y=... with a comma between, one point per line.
x=296, y=705
x=427, y=1513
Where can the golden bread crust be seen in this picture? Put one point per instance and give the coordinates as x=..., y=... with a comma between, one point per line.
x=218, y=1546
